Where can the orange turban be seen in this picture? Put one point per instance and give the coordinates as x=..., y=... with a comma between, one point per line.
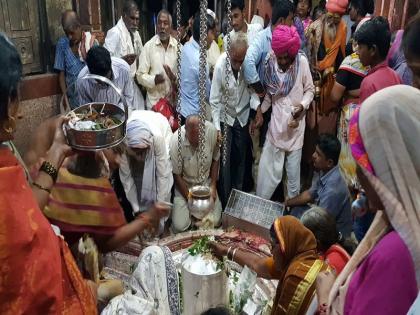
x=337, y=6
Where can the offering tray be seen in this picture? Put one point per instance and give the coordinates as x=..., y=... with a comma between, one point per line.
x=120, y=264
x=101, y=138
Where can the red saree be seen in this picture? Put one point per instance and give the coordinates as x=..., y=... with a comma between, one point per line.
x=38, y=275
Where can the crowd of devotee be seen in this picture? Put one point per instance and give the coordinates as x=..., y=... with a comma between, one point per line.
x=316, y=108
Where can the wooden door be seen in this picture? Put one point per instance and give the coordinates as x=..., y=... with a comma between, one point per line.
x=19, y=19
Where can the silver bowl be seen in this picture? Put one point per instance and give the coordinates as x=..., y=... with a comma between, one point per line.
x=92, y=140
x=200, y=201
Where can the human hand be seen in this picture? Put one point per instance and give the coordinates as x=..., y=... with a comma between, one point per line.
x=293, y=123
x=252, y=127
x=218, y=250
x=297, y=111
x=59, y=148
x=213, y=192
x=324, y=283
x=259, y=119
x=219, y=137
x=66, y=103
x=159, y=79
x=130, y=58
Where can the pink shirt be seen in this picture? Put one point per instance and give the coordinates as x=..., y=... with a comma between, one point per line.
x=378, y=78
x=279, y=133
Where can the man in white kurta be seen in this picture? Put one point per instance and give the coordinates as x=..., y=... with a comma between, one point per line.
x=158, y=53
x=150, y=131
x=240, y=100
x=290, y=91
x=124, y=41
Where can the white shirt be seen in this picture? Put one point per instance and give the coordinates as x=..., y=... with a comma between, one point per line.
x=240, y=97
x=151, y=62
x=162, y=134
x=279, y=133
x=252, y=30
x=213, y=53
x=119, y=44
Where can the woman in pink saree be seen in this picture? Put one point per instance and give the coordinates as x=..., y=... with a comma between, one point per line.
x=383, y=275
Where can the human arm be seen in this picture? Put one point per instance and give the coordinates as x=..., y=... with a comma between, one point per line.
x=113, y=42
x=308, y=86
x=56, y=154
x=128, y=90
x=243, y=258
x=214, y=174
x=40, y=142
x=63, y=88
x=181, y=186
x=300, y=200
x=180, y=183
x=252, y=59
x=216, y=93
x=146, y=221
x=59, y=65
x=164, y=176
x=143, y=76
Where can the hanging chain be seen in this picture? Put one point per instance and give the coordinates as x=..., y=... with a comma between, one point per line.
x=228, y=70
x=202, y=87
x=178, y=80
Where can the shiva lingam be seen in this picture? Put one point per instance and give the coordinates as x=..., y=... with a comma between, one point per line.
x=204, y=284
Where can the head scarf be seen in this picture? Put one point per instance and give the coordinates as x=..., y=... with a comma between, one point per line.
x=299, y=264
x=154, y=286
x=389, y=121
x=396, y=60
x=337, y=6
x=143, y=173
x=138, y=135
x=285, y=39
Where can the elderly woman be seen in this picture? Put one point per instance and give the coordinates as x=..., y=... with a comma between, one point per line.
x=328, y=239
x=295, y=263
x=383, y=275
x=38, y=273
x=290, y=91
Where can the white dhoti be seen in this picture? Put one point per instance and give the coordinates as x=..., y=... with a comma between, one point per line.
x=270, y=171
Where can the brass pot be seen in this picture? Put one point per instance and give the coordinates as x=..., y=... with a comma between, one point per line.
x=200, y=201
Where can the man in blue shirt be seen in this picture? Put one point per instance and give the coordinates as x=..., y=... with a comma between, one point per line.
x=70, y=55
x=329, y=189
x=190, y=104
x=281, y=13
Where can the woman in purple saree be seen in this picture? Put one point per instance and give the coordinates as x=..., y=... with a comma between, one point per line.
x=383, y=275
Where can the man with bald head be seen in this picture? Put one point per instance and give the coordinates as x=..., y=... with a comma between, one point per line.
x=124, y=41
x=240, y=100
x=186, y=175
x=70, y=56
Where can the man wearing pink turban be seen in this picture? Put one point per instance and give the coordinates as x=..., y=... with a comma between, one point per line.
x=290, y=91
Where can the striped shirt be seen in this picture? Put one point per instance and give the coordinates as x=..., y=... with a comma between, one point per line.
x=92, y=91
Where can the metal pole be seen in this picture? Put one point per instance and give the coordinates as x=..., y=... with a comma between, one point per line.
x=113, y=12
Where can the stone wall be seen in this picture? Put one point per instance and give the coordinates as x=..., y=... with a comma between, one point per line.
x=39, y=99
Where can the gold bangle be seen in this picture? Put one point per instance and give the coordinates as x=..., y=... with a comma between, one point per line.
x=49, y=169
x=41, y=187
